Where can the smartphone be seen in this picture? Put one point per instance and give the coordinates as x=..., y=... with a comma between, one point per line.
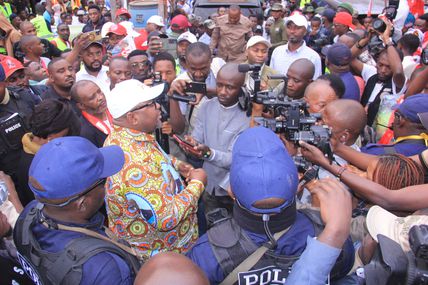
x=196, y=87
x=181, y=140
x=169, y=45
x=186, y=146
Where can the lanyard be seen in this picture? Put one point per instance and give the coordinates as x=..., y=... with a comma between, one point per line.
x=100, y=125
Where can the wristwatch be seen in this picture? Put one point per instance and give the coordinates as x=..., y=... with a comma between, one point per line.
x=389, y=43
x=207, y=154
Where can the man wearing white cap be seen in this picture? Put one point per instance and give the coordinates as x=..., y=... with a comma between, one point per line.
x=183, y=41
x=154, y=23
x=257, y=53
x=148, y=204
x=283, y=56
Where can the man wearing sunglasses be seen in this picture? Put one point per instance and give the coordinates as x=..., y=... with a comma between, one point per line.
x=148, y=203
x=60, y=235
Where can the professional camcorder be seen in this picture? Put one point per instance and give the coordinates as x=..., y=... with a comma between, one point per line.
x=290, y=117
x=391, y=265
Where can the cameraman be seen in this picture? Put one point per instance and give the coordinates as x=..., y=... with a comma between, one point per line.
x=387, y=77
x=201, y=67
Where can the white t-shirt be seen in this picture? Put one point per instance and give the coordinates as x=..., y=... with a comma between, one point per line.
x=282, y=58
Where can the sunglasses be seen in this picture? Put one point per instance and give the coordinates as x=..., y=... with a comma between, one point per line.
x=75, y=198
x=153, y=103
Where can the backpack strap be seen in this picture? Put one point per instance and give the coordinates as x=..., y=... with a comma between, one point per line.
x=250, y=261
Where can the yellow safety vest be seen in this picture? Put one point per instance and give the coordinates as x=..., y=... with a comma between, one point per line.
x=6, y=10
x=303, y=3
x=39, y=23
x=60, y=44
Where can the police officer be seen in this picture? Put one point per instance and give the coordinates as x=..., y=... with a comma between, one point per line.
x=263, y=180
x=60, y=235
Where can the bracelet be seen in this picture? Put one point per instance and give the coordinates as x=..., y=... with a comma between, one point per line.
x=389, y=43
x=340, y=172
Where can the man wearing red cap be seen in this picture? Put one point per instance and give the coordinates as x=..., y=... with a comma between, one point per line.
x=115, y=34
x=122, y=15
x=342, y=24
x=179, y=25
x=231, y=34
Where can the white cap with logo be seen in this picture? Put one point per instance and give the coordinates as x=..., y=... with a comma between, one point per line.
x=157, y=20
x=187, y=36
x=258, y=39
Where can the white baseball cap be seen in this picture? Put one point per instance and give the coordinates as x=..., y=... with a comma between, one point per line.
x=380, y=221
x=298, y=20
x=258, y=39
x=187, y=36
x=157, y=20
x=127, y=94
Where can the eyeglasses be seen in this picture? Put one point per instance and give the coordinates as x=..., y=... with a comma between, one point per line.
x=153, y=103
x=397, y=115
x=140, y=64
x=75, y=198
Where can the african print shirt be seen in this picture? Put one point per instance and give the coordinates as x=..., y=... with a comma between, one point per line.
x=148, y=204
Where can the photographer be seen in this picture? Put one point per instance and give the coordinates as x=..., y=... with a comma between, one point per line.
x=387, y=77
x=201, y=67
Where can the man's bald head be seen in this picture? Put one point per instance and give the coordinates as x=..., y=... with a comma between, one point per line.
x=347, y=116
x=318, y=94
x=299, y=74
x=27, y=28
x=170, y=268
x=79, y=88
x=231, y=71
x=119, y=70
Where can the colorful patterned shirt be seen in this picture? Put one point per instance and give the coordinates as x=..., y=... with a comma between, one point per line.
x=148, y=204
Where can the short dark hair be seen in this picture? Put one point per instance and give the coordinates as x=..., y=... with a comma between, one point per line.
x=164, y=56
x=316, y=19
x=93, y=6
x=198, y=49
x=335, y=83
x=52, y=116
x=409, y=42
x=136, y=52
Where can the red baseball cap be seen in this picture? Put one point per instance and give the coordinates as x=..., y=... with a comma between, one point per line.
x=344, y=19
x=122, y=11
x=117, y=29
x=10, y=65
x=181, y=22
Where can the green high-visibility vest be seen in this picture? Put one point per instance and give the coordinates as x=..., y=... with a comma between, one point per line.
x=303, y=3
x=60, y=44
x=42, y=28
x=6, y=10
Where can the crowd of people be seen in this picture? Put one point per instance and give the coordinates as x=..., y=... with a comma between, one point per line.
x=273, y=148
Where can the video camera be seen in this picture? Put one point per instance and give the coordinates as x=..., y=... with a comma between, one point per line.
x=391, y=265
x=290, y=117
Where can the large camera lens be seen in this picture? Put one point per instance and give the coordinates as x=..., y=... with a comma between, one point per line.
x=379, y=25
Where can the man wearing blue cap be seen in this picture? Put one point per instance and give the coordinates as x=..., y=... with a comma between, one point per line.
x=263, y=180
x=60, y=236
x=338, y=59
x=411, y=137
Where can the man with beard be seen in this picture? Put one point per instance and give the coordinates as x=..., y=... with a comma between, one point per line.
x=62, y=41
x=93, y=69
x=283, y=56
x=183, y=41
x=140, y=65
x=96, y=121
x=119, y=70
x=61, y=78
x=201, y=67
